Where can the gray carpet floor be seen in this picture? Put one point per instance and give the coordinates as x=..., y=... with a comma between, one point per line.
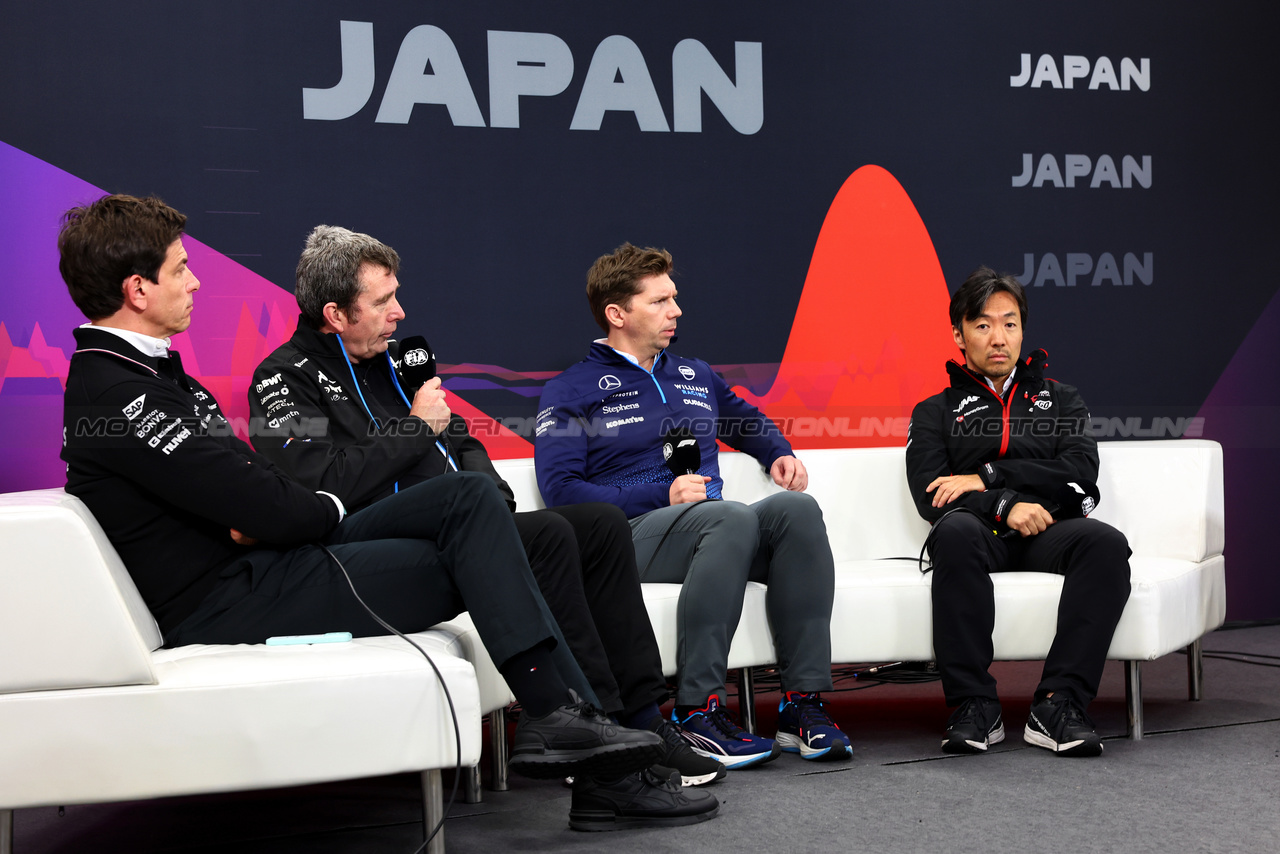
x=1206, y=778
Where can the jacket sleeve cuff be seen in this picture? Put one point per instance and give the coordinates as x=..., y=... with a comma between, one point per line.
x=990, y=477
x=342, y=511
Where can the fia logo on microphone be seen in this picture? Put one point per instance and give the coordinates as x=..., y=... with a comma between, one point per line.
x=416, y=357
x=609, y=382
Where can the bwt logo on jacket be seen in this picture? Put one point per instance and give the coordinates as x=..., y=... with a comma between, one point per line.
x=267, y=383
x=429, y=70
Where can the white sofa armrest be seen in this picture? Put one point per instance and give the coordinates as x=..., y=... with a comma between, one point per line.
x=70, y=615
x=1165, y=496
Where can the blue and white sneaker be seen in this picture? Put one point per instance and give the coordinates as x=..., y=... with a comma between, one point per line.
x=711, y=732
x=804, y=727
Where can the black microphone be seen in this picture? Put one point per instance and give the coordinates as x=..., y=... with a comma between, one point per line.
x=415, y=364
x=681, y=452
x=1074, y=500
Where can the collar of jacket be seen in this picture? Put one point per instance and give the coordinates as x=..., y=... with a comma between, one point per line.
x=169, y=367
x=601, y=352
x=313, y=342
x=1030, y=368
x=88, y=338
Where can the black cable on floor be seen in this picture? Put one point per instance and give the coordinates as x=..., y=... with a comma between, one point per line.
x=453, y=714
x=1230, y=655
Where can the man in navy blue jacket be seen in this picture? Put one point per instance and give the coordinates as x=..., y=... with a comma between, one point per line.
x=600, y=435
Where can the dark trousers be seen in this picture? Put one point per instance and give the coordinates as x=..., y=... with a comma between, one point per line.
x=417, y=558
x=1093, y=559
x=585, y=565
x=713, y=549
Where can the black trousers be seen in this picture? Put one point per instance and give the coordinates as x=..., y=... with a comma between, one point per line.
x=585, y=565
x=1093, y=559
x=417, y=558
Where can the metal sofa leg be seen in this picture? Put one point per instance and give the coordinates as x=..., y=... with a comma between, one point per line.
x=471, y=792
x=433, y=809
x=6, y=831
x=498, y=747
x=1195, y=670
x=746, y=699
x=1133, y=697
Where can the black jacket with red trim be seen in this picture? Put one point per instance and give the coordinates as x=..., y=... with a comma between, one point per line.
x=308, y=407
x=1027, y=446
x=149, y=453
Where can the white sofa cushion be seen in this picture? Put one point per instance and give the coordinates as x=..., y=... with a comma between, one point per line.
x=1166, y=496
x=231, y=717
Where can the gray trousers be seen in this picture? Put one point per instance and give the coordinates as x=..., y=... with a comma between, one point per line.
x=713, y=549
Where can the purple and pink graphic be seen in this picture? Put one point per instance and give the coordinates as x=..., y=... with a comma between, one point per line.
x=238, y=321
x=831, y=389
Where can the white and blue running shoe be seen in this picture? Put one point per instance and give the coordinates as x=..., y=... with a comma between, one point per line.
x=804, y=727
x=711, y=732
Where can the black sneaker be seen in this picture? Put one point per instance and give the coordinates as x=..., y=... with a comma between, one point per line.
x=974, y=726
x=694, y=768
x=1058, y=724
x=577, y=739
x=650, y=798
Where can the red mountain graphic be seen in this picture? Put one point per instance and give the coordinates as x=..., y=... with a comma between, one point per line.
x=870, y=335
x=868, y=341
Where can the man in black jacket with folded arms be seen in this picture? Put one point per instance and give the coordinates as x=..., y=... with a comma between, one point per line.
x=1002, y=464
x=225, y=548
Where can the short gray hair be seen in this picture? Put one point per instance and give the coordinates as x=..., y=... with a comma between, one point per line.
x=329, y=270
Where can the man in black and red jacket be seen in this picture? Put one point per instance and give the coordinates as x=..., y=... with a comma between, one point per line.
x=1002, y=464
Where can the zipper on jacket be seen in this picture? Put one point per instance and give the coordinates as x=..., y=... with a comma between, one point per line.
x=1004, y=410
x=1004, y=434
x=648, y=371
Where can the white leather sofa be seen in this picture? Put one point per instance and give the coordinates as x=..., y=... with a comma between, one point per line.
x=1166, y=496
x=92, y=710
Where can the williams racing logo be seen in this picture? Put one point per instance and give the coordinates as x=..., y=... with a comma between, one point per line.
x=687, y=372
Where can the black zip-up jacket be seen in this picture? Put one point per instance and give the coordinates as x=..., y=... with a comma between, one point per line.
x=149, y=453
x=1027, y=446
x=310, y=421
